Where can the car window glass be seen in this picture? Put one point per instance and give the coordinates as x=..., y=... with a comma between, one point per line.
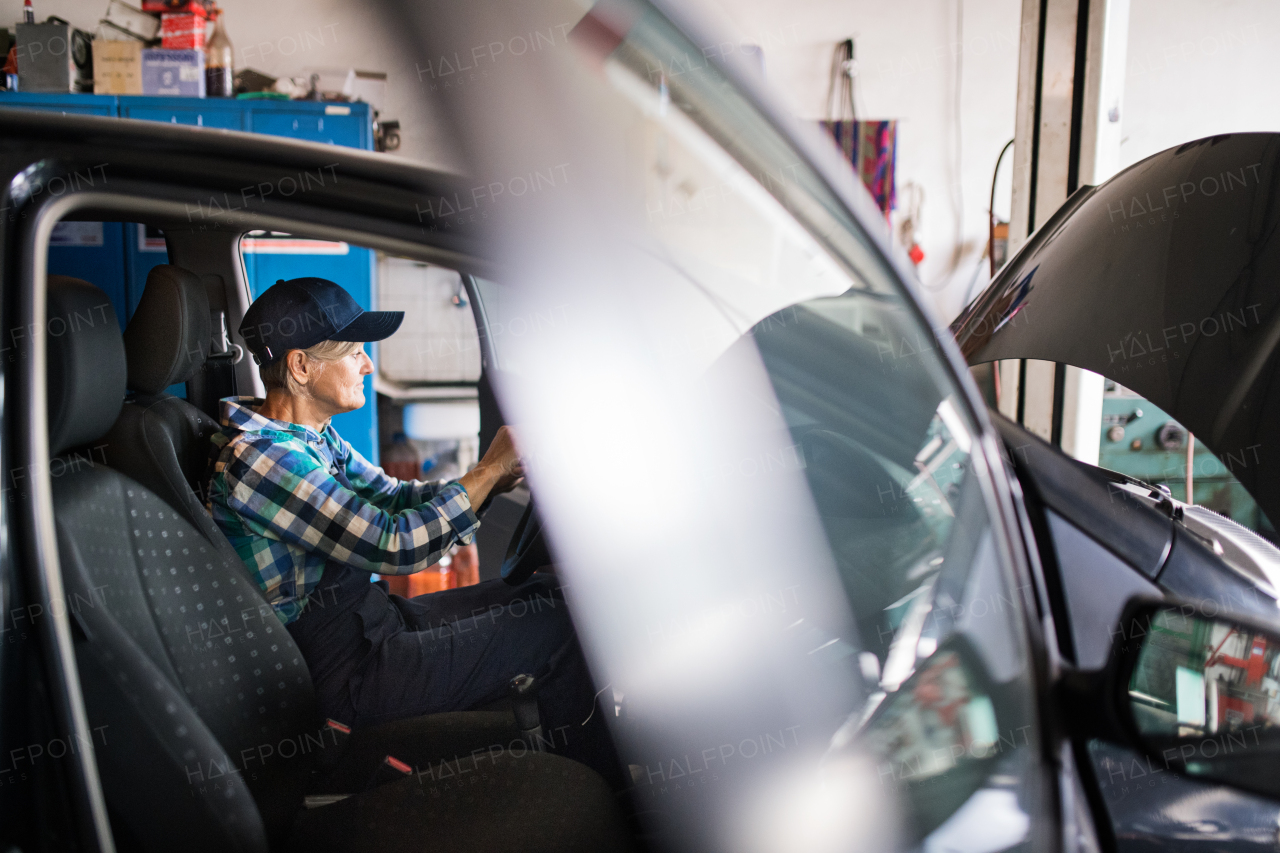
x=758, y=262
x=888, y=461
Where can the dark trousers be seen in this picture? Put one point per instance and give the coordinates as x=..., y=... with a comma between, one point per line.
x=376, y=658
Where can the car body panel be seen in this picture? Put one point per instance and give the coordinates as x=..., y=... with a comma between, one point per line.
x=1133, y=530
x=1156, y=811
x=1088, y=528
x=1163, y=279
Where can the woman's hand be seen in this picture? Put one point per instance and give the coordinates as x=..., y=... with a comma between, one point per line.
x=498, y=472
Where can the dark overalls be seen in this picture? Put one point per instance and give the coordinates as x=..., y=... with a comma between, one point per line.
x=376, y=657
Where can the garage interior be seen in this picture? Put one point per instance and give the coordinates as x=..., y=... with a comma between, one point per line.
x=970, y=123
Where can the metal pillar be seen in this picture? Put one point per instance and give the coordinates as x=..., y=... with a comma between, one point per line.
x=1067, y=134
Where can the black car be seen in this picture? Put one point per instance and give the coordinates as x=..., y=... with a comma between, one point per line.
x=836, y=603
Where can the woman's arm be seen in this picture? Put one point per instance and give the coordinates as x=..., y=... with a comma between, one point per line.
x=498, y=471
x=285, y=493
x=382, y=490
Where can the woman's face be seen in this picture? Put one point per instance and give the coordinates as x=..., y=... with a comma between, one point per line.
x=339, y=385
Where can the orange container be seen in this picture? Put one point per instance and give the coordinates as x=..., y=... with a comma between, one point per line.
x=466, y=565
x=462, y=568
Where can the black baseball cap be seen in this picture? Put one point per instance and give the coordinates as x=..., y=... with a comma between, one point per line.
x=302, y=312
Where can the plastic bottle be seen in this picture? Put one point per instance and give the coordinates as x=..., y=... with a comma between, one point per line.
x=466, y=565
x=219, y=66
x=400, y=460
x=28, y=12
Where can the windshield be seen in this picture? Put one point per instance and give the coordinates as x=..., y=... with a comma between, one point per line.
x=761, y=484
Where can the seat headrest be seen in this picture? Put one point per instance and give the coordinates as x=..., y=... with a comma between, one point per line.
x=86, y=367
x=167, y=340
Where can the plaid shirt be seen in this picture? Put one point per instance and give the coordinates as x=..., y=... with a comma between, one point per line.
x=292, y=500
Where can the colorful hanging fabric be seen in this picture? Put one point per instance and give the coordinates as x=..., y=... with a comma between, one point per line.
x=871, y=147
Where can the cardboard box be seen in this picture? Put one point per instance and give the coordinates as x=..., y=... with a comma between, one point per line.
x=117, y=67
x=182, y=31
x=173, y=72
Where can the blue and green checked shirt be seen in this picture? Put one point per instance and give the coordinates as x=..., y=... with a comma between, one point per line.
x=291, y=500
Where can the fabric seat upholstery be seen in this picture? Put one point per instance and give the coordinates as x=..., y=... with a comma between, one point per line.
x=212, y=733
x=564, y=807
x=160, y=440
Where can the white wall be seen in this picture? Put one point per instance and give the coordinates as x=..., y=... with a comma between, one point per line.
x=1198, y=68
x=295, y=37
x=1194, y=68
x=908, y=53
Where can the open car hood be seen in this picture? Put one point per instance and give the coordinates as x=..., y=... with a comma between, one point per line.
x=1165, y=279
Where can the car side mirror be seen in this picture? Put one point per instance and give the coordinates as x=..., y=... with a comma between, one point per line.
x=1202, y=695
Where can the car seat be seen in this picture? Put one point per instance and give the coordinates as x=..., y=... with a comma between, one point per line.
x=212, y=736
x=160, y=440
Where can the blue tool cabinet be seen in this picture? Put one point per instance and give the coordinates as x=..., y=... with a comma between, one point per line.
x=118, y=256
x=335, y=123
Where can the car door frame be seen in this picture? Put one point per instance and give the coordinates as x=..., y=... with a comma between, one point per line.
x=32, y=209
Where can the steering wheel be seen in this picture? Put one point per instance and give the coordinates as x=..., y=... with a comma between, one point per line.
x=527, y=551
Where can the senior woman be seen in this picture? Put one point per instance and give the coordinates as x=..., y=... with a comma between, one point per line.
x=312, y=520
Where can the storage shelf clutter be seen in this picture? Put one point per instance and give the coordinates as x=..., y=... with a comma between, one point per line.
x=164, y=48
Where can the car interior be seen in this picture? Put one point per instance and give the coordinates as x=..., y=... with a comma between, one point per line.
x=219, y=741
x=213, y=736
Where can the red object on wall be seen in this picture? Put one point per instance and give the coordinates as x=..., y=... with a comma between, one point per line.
x=431, y=579
x=401, y=469
x=400, y=458
x=466, y=565
x=1256, y=666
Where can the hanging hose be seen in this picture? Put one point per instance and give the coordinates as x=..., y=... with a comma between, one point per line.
x=991, y=210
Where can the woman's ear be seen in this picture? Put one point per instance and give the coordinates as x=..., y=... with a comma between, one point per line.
x=298, y=366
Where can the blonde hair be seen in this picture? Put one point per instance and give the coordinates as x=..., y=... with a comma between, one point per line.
x=276, y=374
